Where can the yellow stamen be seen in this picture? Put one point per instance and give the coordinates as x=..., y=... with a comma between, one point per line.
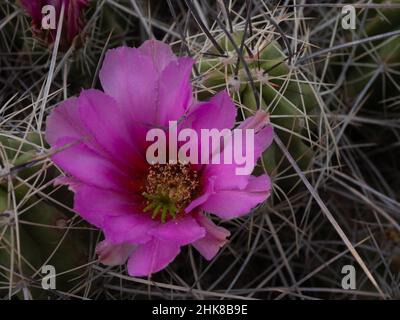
x=169, y=188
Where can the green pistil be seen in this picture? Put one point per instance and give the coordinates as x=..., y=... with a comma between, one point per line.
x=160, y=202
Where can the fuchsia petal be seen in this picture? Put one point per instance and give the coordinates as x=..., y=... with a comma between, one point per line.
x=160, y=53
x=151, y=85
x=72, y=183
x=132, y=228
x=256, y=122
x=130, y=78
x=95, y=204
x=235, y=195
x=104, y=120
x=262, y=140
x=229, y=204
x=209, y=190
x=219, y=113
x=34, y=9
x=182, y=231
x=264, y=132
x=175, y=90
x=88, y=166
x=226, y=175
x=214, y=239
x=151, y=257
x=114, y=254
x=64, y=122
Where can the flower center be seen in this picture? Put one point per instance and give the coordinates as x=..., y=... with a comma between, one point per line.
x=169, y=188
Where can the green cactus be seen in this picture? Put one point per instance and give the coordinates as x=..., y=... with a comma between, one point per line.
x=289, y=100
x=42, y=238
x=18, y=264
x=386, y=53
x=388, y=20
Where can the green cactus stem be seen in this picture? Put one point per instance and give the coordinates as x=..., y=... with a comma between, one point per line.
x=290, y=100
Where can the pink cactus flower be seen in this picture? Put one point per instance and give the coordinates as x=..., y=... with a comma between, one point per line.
x=73, y=19
x=131, y=200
